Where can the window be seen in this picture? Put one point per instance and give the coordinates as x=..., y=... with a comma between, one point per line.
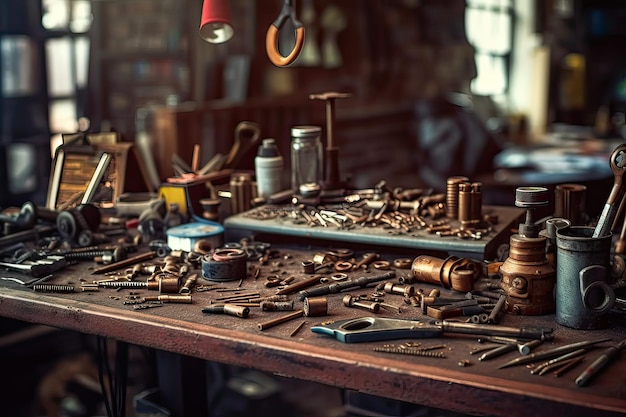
x=489, y=26
x=67, y=61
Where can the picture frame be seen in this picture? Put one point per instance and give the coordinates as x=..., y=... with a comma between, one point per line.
x=96, y=173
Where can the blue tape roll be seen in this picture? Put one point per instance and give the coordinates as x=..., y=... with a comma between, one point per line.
x=185, y=236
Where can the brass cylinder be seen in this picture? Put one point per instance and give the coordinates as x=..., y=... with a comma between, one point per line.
x=465, y=203
x=569, y=202
x=315, y=306
x=280, y=320
x=168, y=283
x=176, y=298
x=235, y=310
x=458, y=274
x=476, y=211
x=452, y=195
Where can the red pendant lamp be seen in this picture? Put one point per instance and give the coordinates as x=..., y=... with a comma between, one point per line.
x=215, y=26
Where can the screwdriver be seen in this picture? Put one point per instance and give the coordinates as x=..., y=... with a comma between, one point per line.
x=599, y=363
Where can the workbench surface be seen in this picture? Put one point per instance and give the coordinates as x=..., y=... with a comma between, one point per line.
x=479, y=388
x=280, y=227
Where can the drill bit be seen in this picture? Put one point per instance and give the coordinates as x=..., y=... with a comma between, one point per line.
x=533, y=357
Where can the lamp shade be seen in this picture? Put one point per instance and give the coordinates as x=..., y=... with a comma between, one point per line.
x=215, y=26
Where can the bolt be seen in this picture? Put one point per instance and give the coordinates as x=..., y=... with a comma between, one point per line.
x=405, y=290
x=107, y=255
x=189, y=283
x=493, y=315
x=526, y=348
x=350, y=301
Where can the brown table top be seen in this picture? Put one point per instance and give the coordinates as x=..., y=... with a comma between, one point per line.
x=478, y=388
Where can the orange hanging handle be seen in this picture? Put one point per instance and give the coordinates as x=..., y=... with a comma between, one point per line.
x=271, y=38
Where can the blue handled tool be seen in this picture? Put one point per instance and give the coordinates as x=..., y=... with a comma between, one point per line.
x=371, y=329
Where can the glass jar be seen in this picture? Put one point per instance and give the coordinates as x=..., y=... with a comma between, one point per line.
x=306, y=156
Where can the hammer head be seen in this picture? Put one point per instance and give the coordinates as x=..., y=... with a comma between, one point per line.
x=329, y=95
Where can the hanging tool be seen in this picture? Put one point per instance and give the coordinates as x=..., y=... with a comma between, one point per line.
x=247, y=136
x=271, y=38
x=617, y=161
x=371, y=329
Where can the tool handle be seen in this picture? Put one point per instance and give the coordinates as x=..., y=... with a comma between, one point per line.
x=271, y=46
x=495, y=330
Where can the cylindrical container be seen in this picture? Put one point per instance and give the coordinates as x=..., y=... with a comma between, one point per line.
x=569, y=202
x=185, y=236
x=452, y=195
x=306, y=156
x=583, y=296
x=268, y=168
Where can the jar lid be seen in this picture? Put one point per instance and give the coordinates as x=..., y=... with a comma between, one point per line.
x=305, y=131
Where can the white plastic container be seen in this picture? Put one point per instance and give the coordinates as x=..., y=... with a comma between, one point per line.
x=268, y=168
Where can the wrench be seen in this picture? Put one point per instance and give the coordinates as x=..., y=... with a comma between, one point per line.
x=39, y=268
x=611, y=207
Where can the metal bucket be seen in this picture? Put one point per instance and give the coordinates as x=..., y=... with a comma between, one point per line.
x=583, y=295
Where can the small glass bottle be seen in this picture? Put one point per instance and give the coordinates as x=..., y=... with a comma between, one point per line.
x=306, y=156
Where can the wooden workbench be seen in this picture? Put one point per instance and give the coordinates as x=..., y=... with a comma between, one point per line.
x=478, y=389
x=281, y=228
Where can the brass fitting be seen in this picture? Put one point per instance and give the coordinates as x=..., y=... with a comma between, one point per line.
x=458, y=274
x=229, y=309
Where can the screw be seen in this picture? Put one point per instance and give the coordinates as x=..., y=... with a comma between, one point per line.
x=124, y=284
x=410, y=351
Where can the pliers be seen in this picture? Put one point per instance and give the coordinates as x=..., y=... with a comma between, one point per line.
x=271, y=38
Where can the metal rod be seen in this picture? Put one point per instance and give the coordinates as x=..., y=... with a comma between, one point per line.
x=124, y=263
